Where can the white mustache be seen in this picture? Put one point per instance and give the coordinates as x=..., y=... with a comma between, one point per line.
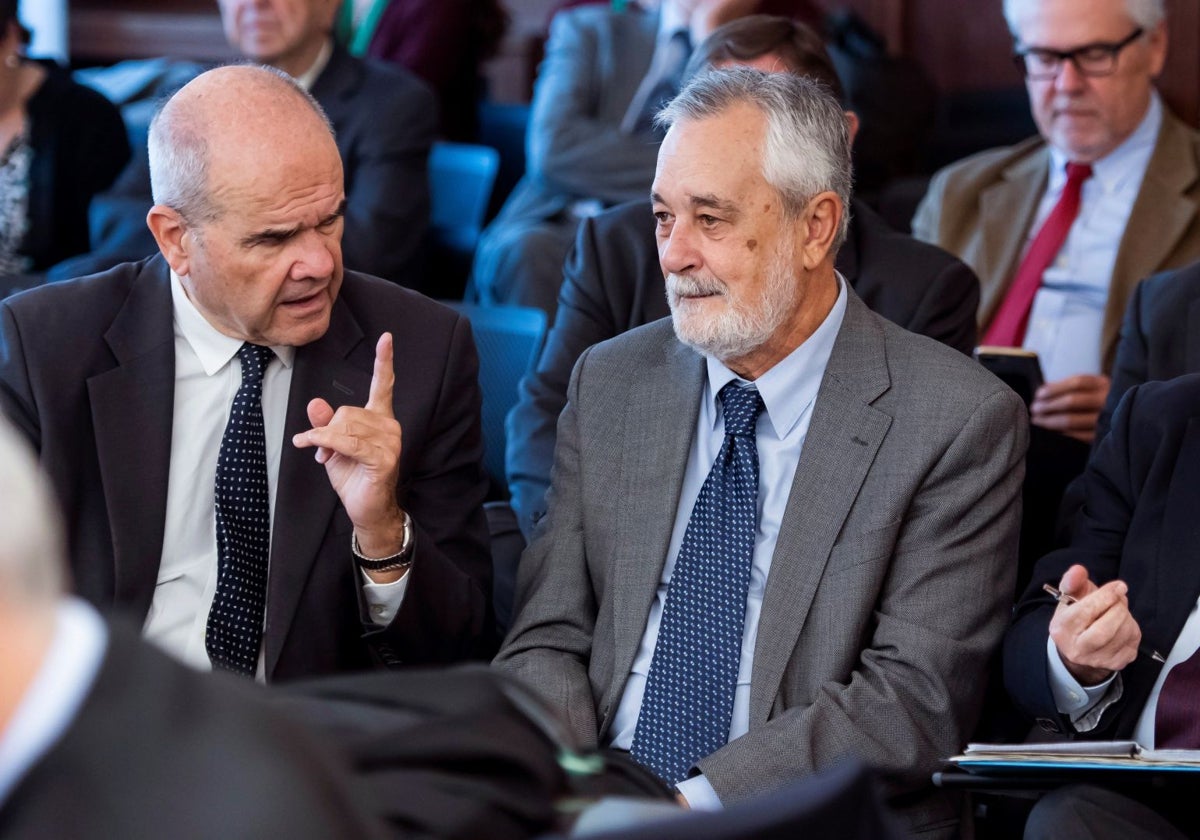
x=679, y=285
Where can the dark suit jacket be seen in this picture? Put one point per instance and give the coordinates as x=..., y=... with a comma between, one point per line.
x=157, y=750
x=1139, y=524
x=87, y=372
x=1160, y=338
x=384, y=121
x=613, y=283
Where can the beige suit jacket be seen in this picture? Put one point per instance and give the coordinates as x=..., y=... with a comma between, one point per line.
x=980, y=209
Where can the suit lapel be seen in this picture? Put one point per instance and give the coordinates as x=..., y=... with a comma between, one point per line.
x=306, y=500
x=335, y=88
x=132, y=410
x=659, y=423
x=843, y=437
x=1161, y=215
x=1015, y=197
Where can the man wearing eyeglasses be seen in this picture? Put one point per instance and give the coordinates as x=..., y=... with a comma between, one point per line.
x=1089, y=67
x=1061, y=227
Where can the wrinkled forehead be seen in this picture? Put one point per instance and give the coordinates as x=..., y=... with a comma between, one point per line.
x=721, y=151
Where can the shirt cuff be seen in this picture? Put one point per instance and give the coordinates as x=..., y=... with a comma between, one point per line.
x=383, y=599
x=699, y=794
x=1083, y=704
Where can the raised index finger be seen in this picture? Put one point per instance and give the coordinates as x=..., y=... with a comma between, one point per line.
x=383, y=378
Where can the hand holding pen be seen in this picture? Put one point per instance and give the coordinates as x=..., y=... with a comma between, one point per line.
x=1093, y=629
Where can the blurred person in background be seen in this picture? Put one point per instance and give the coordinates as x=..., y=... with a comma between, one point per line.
x=60, y=144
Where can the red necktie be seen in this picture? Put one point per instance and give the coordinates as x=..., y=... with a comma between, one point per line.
x=1177, y=716
x=1008, y=326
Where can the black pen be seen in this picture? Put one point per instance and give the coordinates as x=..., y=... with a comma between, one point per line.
x=1064, y=598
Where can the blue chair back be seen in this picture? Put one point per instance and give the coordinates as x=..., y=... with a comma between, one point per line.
x=461, y=176
x=508, y=340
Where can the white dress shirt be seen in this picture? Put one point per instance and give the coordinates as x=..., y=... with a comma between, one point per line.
x=58, y=690
x=1086, y=704
x=789, y=391
x=208, y=374
x=1067, y=318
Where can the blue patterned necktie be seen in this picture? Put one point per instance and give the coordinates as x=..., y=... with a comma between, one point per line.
x=688, y=704
x=235, y=622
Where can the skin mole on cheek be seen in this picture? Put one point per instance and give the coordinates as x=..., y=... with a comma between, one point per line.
x=751, y=244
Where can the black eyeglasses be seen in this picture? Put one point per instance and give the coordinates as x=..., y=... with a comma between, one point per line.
x=1091, y=59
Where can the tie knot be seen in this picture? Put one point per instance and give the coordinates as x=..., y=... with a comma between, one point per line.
x=742, y=407
x=1078, y=172
x=254, y=358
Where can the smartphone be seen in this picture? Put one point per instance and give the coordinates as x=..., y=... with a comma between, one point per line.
x=1017, y=367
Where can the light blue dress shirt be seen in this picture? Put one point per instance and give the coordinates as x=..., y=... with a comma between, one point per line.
x=1067, y=318
x=789, y=391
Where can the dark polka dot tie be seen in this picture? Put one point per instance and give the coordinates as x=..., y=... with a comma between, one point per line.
x=688, y=704
x=235, y=621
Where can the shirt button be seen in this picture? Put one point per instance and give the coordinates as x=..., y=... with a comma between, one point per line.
x=379, y=610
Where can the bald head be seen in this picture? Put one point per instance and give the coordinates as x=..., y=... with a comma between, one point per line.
x=241, y=116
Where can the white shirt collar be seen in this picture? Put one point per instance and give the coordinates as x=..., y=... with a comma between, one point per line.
x=791, y=385
x=212, y=347
x=1127, y=161
x=309, y=76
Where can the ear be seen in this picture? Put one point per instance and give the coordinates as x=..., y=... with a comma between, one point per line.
x=820, y=221
x=852, y=125
x=1157, y=41
x=170, y=232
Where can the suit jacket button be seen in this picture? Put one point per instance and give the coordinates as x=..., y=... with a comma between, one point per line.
x=1048, y=724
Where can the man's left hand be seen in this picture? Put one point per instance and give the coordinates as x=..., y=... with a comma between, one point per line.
x=360, y=448
x=1071, y=406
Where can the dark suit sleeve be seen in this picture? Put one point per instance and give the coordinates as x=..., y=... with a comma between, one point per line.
x=585, y=317
x=445, y=615
x=1111, y=488
x=387, y=181
x=1130, y=368
x=949, y=307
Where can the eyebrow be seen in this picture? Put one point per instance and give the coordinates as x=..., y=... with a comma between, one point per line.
x=707, y=200
x=274, y=235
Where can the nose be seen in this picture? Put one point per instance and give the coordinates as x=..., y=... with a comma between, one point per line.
x=677, y=253
x=1069, y=78
x=315, y=256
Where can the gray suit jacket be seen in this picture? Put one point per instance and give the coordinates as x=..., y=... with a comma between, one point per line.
x=891, y=580
x=595, y=60
x=980, y=210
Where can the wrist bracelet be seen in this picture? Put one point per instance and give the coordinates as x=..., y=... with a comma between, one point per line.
x=402, y=559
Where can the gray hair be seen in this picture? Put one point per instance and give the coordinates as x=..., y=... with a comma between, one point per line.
x=32, y=553
x=807, y=145
x=178, y=150
x=1147, y=14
